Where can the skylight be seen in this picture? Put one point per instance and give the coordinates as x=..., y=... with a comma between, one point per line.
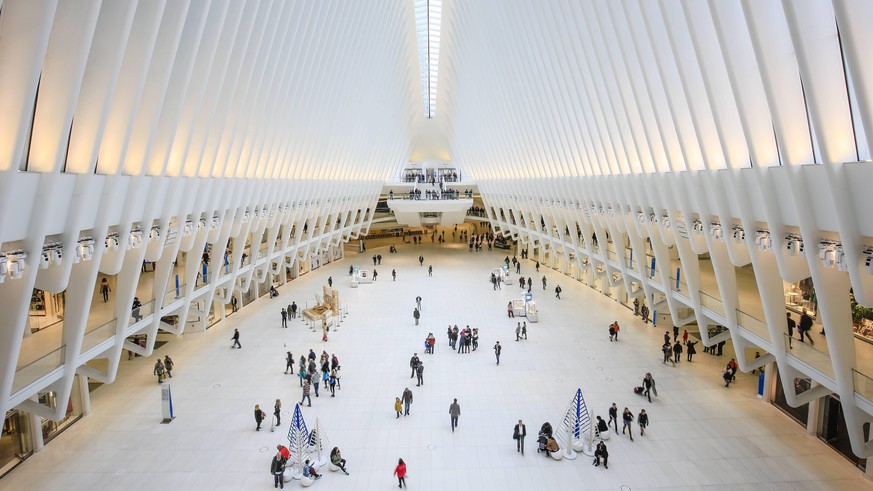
x=427, y=27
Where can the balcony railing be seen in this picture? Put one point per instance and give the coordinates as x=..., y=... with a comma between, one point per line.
x=753, y=324
x=812, y=356
x=38, y=368
x=97, y=335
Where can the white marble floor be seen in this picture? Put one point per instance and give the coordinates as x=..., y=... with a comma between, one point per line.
x=701, y=435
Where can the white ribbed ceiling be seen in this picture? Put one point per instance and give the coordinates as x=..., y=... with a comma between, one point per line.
x=566, y=88
x=305, y=89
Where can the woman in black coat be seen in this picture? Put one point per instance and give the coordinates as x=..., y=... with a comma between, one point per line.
x=691, y=350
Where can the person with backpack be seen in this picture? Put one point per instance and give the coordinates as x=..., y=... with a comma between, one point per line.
x=159, y=371
x=805, y=327
x=289, y=363
x=259, y=416
x=168, y=365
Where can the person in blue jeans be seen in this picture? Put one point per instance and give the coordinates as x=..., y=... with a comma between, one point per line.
x=497, y=349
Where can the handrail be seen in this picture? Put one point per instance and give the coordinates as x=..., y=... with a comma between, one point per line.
x=711, y=303
x=38, y=368
x=97, y=335
x=753, y=324
x=810, y=355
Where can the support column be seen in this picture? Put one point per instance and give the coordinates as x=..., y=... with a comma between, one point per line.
x=769, y=382
x=85, y=393
x=36, y=441
x=813, y=416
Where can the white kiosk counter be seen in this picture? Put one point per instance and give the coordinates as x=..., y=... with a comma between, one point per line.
x=532, y=312
x=518, y=308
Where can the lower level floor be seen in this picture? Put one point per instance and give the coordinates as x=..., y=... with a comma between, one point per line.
x=700, y=434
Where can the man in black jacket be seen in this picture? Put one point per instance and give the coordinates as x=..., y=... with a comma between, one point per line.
x=518, y=434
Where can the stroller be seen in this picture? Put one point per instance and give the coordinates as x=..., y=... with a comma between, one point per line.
x=544, y=438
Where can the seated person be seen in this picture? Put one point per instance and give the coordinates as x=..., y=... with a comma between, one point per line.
x=601, y=453
x=309, y=471
x=602, y=426
x=552, y=445
x=546, y=429
x=273, y=292
x=337, y=459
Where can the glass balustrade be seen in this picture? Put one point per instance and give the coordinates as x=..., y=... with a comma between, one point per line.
x=712, y=303
x=97, y=335
x=812, y=355
x=753, y=325
x=37, y=369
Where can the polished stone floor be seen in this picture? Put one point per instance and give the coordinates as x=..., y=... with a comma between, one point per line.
x=701, y=435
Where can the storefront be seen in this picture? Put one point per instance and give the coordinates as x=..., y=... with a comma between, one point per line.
x=46, y=309
x=15, y=442
x=800, y=296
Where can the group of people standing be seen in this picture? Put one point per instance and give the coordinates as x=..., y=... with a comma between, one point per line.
x=310, y=378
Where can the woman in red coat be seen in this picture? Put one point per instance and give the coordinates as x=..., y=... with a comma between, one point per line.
x=400, y=472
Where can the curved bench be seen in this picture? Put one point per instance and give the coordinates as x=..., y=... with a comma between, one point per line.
x=306, y=481
x=332, y=467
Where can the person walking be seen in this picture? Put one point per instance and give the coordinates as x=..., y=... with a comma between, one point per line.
x=684, y=336
x=418, y=303
x=400, y=472
x=728, y=376
x=159, y=371
x=289, y=362
x=234, y=304
x=430, y=270
x=375, y=274
x=293, y=310
x=509, y=312
x=690, y=349
x=393, y=275
x=613, y=416
x=497, y=350
x=259, y=417
x=627, y=418
x=677, y=352
x=277, y=412
x=416, y=315
x=791, y=325
x=407, y=401
x=168, y=365
x=558, y=292
x=644, y=312
x=544, y=281
x=611, y=332
x=235, y=339
x=643, y=421
x=537, y=266
x=600, y=452
x=277, y=469
x=518, y=435
x=805, y=327
x=524, y=330
x=667, y=349
x=315, y=379
x=398, y=407
x=419, y=372
x=284, y=318
x=518, y=332
x=413, y=363
x=421, y=260
x=617, y=329
x=454, y=412
x=306, y=387
x=330, y=281
x=675, y=333
x=649, y=386
x=332, y=382
x=104, y=289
